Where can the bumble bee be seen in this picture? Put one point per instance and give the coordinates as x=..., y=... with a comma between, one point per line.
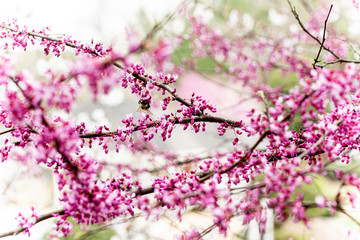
x=144, y=106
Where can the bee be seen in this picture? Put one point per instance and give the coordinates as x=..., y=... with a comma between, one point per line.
x=144, y=106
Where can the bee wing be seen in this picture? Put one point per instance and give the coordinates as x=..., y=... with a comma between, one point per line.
x=144, y=111
x=148, y=111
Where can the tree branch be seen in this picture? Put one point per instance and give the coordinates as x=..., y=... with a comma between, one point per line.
x=43, y=36
x=322, y=45
x=39, y=219
x=202, y=118
x=348, y=215
x=103, y=228
x=293, y=10
x=316, y=60
x=157, y=27
x=7, y=131
x=338, y=61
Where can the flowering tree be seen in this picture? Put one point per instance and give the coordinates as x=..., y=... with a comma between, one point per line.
x=298, y=71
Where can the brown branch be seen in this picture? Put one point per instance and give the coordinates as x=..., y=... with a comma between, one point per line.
x=103, y=228
x=208, y=230
x=338, y=61
x=340, y=209
x=163, y=86
x=293, y=10
x=322, y=45
x=7, y=131
x=39, y=219
x=316, y=60
x=143, y=191
x=237, y=190
x=157, y=27
x=202, y=118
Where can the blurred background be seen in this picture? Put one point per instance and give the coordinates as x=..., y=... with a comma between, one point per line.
x=112, y=22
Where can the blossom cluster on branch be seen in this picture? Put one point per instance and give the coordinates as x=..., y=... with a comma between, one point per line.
x=275, y=151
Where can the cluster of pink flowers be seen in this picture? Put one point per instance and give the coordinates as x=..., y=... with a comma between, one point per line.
x=21, y=36
x=326, y=102
x=356, y=3
x=27, y=222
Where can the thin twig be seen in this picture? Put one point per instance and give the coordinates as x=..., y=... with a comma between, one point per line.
x=293, y=10
x=316, y=60
x=40, y=219
x=202, y=118
x=103, y=228
x=157, y=26
x=7, y=131
x=42, y=36
x=338, y=61
x=318, y=142
x=208, y=230
x=348, y=215
x=213, y=226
